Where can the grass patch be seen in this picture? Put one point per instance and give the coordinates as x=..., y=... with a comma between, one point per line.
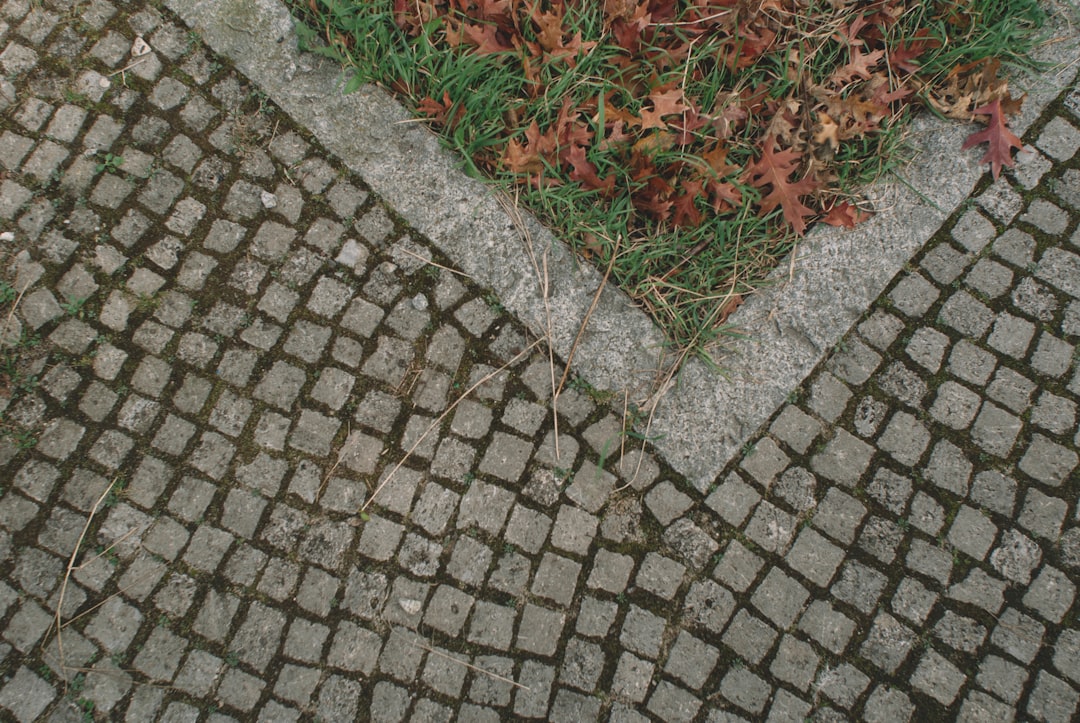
x=693, y=140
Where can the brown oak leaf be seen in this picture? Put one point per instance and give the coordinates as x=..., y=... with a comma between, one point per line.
x=773, y=170
x=997, y=135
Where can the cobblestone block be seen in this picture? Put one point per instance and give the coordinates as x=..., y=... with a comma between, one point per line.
x=771, y=528
x=1059, y=139
x=1046, y=216
x=844, y=459
x=959, y=632
x=26, y=695
x=552, y=577
x=944, y=263
x=839, y=515
x=1011, y=335
x=1004, y=679
x=981, y=590
x=779, y=598
x=938, y=678
x=966, y=315
x=750, y=637
x=1018, y=634
x=1051, y=594
x=660, y=575
x=1054, y=413
x=842, y=684
x=1052, y=698
x=1042, y=514
x=995, y=430
x=972, y=532
x=746, y=690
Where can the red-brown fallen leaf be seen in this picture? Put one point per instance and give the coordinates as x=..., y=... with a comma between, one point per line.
x=486, y=40
x=904, y=55
x=997, y=135
x=519, y=159
x=729, y=308
x=665, y=102
x=725, y=196
x=845, y=214
x=860, y=66
x=549, y=26
x=585, y=172
x=495, y=10
x=435, y=110
x=828, y=132
x=716, y=157
x=773, y=169
x=686, y=212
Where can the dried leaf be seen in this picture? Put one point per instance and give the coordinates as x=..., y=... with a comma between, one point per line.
x=773, y=170
x=997, y=136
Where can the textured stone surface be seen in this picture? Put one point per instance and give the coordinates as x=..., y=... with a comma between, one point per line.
x=245, y=395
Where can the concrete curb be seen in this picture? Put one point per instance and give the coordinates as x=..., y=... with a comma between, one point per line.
x=706, y=418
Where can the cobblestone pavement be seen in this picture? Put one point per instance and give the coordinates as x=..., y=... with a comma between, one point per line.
x=223, y=345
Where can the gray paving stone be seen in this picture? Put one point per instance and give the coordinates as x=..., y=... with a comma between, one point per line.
x=1047, y=461
x=733, y=500
x=828, y=397
x=970, y=363
x=944, y=263
x=1004, y=679
x=780, y=598
x=765, y=462
x=445, y=672
x=995, y=430
x=673, y=703
x=26, y=695
x=582, y=664
x=708, y=605
x=843, y=460
x=914, y=295
x=839, y=515
x=1052, y=699
x=660, y=575
x=981, y=590
x=798, y=487
x=539, y=630
x=1051, y=594
x=552, y=577
x=972, y=533
x=749, y=637
x=938, y=678
x=1042, y=514
x=491, y=625
x=487, y=690
x=746, y=690
x=795, y=663
x=1018, y=634
x=994, y=491
x=632, y=678
x=354, y=648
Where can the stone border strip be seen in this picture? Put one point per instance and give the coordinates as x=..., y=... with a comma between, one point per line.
x=704, y=420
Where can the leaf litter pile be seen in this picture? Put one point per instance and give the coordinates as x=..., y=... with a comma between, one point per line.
x=687, y=143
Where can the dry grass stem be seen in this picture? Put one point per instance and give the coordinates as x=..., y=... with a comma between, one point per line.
x=59, y=623
x=521, y=354
x=469, y=665
x=437, y=265
x=544, y=281
x=585, y=321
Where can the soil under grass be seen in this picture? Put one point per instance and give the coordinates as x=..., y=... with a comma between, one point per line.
x=687, y=142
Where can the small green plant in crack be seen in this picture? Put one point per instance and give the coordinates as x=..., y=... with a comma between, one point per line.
x=73, y=306
x=109, y=163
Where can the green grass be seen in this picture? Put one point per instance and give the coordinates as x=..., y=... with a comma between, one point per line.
x=688, y=276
